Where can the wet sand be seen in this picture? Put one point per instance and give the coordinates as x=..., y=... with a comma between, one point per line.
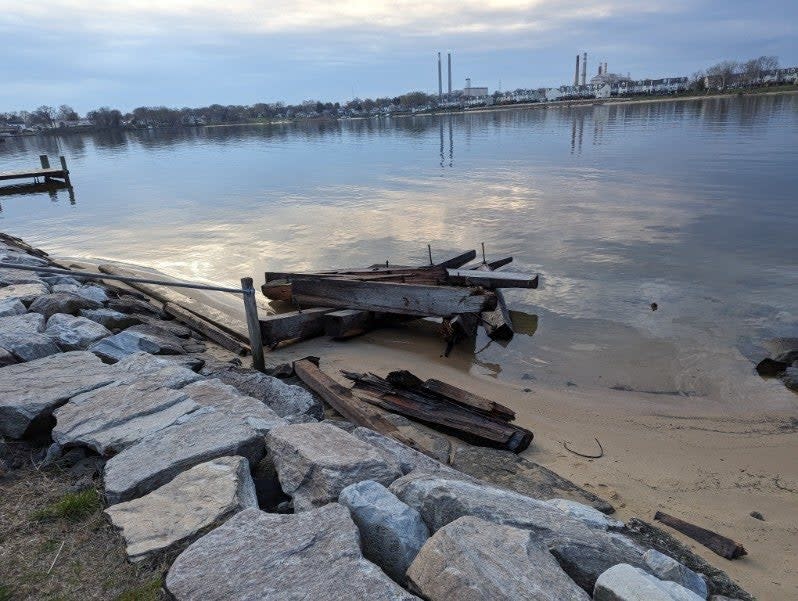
x=710, y=459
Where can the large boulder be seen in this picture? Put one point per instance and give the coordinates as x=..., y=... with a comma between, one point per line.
x=667, y=568
x=284, y=399
x=513, y=472
x=10, y=277
x=472, y=560
x=31, y=391
x=391, y=532
x=22, y=335
x=26, y=293
x=151, y=372
x=588, y=515
x=226, y=399
x=93, y=292
x=72, y=333
x=197, y=500
x=61, y=302
x=119, y=346
x=113, y=320
x=315, y=462
x=156, y=459
x=628, y=583
x=257, y=555
x=12, y=306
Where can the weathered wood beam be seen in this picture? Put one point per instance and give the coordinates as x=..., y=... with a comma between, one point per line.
x=293, y=325
x=491, y=279
x=725, y=547
x=206, y=328
x=277, y=290
x=390, y=297
x=459, y=260
x=464, y=397
x=347, y=323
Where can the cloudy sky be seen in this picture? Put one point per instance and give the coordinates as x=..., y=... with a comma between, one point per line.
x=128, y=53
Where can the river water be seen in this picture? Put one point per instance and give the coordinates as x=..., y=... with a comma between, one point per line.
x=688, y=204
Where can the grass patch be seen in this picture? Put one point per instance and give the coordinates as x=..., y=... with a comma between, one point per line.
x=73, y=507
x=5, y=593
x=149, y=591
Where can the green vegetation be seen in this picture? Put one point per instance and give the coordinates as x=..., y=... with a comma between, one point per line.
x=149, y=591
x=72, y=507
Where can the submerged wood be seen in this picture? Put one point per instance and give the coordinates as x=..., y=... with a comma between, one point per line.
x=389, y=297
x=723, y=546
x=293, y=325
x=491, y=279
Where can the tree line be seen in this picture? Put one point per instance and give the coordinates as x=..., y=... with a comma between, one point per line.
x=738, y=73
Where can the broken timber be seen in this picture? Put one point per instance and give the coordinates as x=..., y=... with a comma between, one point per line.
x=490, y=279
x=206, y=328
x=725, y=547
x=389, y=297
x=292, y=326
x=469, y=399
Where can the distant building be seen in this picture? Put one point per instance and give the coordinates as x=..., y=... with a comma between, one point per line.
x=470, y=91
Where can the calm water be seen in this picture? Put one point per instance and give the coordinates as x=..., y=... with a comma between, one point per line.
x=688, y=204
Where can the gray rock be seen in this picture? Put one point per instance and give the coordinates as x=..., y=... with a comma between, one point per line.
x=22, y=336
x=109, y=318
x=197, y=500
x=114, y=417
x=345, y=425
x=9, y=277
x=72, y=333
x=472, y=560
x=627, y=583
x=588, y=515
x=68, y=280
x=61, y=302
x=7, y=358
x=26, y=293
x=513, y=472
x=666, y=568
x=391, y=532
x=315, y=462
x=226, y=399
x=20, y=257
x=119, y=346
x=70, y=288
x=130, y=304
x=313, y=555
x=93, y=292
x=31, y=391
x=788, y=356
x=156, y=459
x=284, y=399
x=11, y=306
x=790, y=378
x=154, y=325
x=151, y=372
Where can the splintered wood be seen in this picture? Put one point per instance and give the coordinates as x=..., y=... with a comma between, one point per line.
x=347, y=302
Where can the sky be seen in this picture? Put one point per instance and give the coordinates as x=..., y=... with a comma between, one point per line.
x=125, y=53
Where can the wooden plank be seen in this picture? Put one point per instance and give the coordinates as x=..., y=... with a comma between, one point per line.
x=279, y=290
x=390, y=297
x=347, y=323
x=723, y=546
x=459, y=260
x=491, y=279
x=206, y=328
x=366, y=274
x=293, y=325
x=230, y=325
x=463, y=397
x=32, y=173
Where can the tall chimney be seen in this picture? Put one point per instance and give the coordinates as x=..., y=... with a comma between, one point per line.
x=449, y=59
x=599, y=71
x=440, y=80
x=605, y=68
x=584, y=68
x=576, y=73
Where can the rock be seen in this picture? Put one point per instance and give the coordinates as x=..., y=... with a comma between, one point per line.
x=26, y=293
x=11, y=306
x=93, y=292
x=391, y=532
x=72, y=333
x=114, y=417
x=313, y=555
x=31, y=391
x=471, y=560
x=84, y=483
x=72, y=457
x=109, y=318
x=126, y=343
x=723, y=598
x=156, y=459
x=627, y=583
x=130, y=304
x=52, y=455
x=666, y=568
x=71, y=288
x=151, y=372
x=315, y=462
x=284, y=399
x=787, y=357
x=191, y=362
x=770, y=368
x=197, y=500
x=22, y=258
x=154, y=325
x=345, y=425
x=10, y=277
x=588, y=515
x=22, y=336
x=55, y=280
x=757, y=516
x=513, y=472
x=61, y=302
x=227, y=400
x=89, y=467
x=790, y=378
x=6, y=358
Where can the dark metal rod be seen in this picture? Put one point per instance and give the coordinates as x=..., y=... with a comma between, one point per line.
x=121, y=278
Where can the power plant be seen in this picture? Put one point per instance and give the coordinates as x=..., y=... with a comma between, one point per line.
x=468, y=91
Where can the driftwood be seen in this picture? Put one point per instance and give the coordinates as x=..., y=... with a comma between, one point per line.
x=412, y=400
x=469, y=399
x=293, y=325
x=725, y=547
x=388, y=297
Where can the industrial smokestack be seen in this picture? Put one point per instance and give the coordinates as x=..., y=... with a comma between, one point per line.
x=584, y=68
x=605, y=68
x=599, y=71
x=576, y=73
x=440, y=79
x=449, y=60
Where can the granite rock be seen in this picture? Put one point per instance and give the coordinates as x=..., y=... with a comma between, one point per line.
x=61, y=302
x=23, y=337
x=113, y=320
x=11, y=306
x=26, y=293
x=667, y=568
x=623, y=582
x=72, y=333
x=119, y=346
x=588, y=515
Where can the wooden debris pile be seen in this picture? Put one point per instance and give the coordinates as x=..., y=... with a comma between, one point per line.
x=348, y=302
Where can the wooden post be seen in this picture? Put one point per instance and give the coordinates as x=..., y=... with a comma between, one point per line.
x=45, y=161
x=253, y=325
x=66, y=171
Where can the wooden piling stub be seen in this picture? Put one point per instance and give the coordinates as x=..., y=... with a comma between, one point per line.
x=253, y=325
